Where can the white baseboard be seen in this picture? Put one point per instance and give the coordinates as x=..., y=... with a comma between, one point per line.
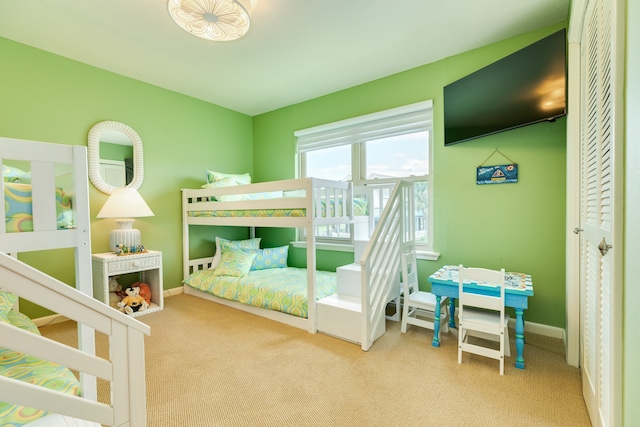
x=540, y=329
x=173, y=291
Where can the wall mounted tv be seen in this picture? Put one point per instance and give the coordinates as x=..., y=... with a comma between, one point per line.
x=526, y=87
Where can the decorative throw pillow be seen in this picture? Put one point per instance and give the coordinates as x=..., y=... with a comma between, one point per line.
x=270, y=258
x=229, y=182
x=240, y=179
x=238, y=244
x=11, y=174
x=7, y=300
x=25, y=178
x=235, y=262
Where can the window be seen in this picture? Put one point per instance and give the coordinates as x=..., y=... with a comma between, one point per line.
x=373, y=152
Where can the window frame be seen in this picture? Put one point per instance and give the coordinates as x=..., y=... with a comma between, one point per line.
x=403, y=120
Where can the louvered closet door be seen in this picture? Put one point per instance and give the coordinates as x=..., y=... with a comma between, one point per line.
x=599, y=138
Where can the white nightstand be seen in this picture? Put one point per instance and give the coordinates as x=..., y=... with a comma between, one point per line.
x=148, y=265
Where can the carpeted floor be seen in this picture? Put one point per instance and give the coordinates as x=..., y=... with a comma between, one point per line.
x=209, y=365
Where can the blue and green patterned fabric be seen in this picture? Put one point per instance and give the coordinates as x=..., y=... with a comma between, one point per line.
x=234, y=262
x=19, y=212
x=19, y=366
x=7, y=301
x=278, y=289
x=270, y=258
x=11, y=174
x=360, y=208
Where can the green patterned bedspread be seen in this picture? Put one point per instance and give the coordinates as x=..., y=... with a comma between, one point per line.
x=19, y=213
x=279, y=289
x=20, y=366
x=359, y=209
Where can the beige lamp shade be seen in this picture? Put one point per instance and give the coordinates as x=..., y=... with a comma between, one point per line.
x=125, y=204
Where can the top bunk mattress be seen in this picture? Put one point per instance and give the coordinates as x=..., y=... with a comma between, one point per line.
x=19, y=211
x=359, y=209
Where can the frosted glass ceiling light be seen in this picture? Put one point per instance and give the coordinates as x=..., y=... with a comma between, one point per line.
x=218, y=20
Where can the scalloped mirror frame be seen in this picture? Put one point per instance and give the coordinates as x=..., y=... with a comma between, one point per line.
x=93, y=155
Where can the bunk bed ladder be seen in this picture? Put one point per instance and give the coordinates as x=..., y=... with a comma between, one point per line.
x=357, y=311
x=124, y=370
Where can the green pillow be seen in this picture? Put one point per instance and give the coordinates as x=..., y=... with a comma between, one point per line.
x=234, y=262
x=232, y=244
x=225, y=183
x=11, y=174
x=239, y=179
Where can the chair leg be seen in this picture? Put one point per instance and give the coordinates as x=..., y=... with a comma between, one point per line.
x=405, y=315
x=502, y=343
x=507, y=342
x=460, y=333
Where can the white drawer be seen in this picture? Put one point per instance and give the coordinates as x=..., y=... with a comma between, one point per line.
x=137, y=263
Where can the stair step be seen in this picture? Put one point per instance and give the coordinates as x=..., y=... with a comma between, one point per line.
x=339, y=316
x=348, y=280
x=345, y=302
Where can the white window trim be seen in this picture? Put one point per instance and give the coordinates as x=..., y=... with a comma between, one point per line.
x=309, y=143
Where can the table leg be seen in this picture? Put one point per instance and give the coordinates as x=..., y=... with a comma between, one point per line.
x=436, y=324
x=452, y=312
x=519, y=338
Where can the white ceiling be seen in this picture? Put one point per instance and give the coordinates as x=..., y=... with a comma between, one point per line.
x=296, y=50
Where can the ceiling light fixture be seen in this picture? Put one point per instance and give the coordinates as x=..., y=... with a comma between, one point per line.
x=218, y=20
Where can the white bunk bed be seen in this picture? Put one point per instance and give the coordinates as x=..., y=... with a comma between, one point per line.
x=380, y=263
x=303, y=209
x=48, y=164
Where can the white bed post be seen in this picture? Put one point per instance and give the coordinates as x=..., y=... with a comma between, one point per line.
x=185, y=237
x=84, y=281
x=311, y=256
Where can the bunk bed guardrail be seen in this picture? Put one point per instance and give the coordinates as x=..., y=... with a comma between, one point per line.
x=125, y=370
x=380, y=261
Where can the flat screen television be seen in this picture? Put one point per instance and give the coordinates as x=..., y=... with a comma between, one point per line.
x=526, y=87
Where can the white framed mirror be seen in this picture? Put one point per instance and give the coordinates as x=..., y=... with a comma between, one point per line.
x=107, y=174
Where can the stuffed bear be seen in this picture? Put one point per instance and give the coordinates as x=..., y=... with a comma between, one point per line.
x=133, y=302
x=145, y=291
x=115, y=291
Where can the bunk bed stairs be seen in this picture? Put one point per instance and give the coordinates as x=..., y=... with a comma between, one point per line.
x=125, y=370
x=357, y=311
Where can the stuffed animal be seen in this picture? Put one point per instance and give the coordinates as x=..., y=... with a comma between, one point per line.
x=133, y=302
x=115, y=291
x=145, y=291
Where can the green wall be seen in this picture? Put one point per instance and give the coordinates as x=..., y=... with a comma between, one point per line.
x=516, y=226
x=45, y=97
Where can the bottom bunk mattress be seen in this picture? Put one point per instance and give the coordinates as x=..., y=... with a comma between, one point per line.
x=278, y=289
x=19, y=366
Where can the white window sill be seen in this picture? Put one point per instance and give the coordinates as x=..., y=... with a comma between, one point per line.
x=342, y=247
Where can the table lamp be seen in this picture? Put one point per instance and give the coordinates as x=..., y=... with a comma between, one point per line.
x=125, y=204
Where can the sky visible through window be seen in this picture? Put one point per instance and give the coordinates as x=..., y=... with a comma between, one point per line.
x=397, y=156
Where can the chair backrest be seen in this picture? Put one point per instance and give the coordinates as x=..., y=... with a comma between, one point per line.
x=480, y=276
x=409, y=273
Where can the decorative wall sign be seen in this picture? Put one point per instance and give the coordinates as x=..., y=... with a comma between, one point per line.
x=498, y=174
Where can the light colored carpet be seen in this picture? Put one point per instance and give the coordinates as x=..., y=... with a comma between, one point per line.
x=209, y=365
